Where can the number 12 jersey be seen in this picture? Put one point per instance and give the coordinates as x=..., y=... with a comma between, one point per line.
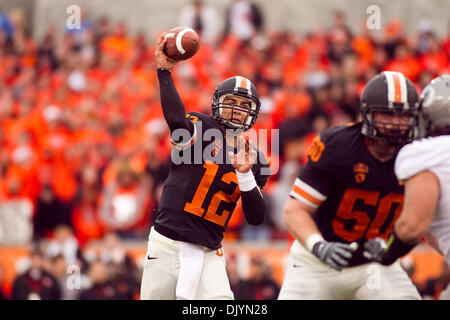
x=200, y=196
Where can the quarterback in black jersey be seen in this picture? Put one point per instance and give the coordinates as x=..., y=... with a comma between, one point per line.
x=348, y=193
x=212, y=166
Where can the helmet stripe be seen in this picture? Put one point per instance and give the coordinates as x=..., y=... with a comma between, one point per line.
x=244, y=83
x=238, y=83
x=396, y=83
x=397, y=88
x=390, y=86
x=249, y=86
x=403, y=87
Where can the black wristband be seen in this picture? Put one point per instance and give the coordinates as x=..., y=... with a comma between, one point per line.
x=254, y=206
x=395, y=249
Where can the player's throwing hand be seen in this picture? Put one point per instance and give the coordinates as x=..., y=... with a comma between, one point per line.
x=162, y=61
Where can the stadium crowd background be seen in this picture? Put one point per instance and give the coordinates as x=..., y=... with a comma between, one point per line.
x=84, y=143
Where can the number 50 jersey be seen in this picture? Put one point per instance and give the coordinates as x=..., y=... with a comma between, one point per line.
x=356, y=196
x=201, y=191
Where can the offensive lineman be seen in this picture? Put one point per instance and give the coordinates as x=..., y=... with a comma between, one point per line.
x=424, y=165
x=185, y=259
x=347, y=193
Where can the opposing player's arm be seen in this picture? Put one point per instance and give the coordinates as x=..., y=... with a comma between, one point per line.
x=412, y=165
x=421, y=198
x=432, y=241
x=172, y=106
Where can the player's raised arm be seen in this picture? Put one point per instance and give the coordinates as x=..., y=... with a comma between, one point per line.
x=172, y=106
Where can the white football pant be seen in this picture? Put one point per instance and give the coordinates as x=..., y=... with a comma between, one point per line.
x=307, y=277
x=161, y=272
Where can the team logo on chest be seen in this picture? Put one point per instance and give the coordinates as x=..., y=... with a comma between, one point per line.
x=360, y=170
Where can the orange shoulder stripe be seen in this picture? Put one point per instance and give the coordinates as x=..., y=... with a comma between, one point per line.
x=306, y=195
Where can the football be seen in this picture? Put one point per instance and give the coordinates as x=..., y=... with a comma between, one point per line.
x=182, y=43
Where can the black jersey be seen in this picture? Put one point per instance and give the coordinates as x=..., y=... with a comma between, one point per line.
x=357, y=197
x=201, y=192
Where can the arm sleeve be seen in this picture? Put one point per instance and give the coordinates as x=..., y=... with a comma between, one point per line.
x=314, y=181
x=253, y=203
x=172, y=106
x=254, y=206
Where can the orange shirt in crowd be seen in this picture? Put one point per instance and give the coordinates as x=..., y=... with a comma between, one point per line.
x=409, y=66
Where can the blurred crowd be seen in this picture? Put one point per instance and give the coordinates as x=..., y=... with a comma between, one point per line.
x=85, y=145
x=57, y=269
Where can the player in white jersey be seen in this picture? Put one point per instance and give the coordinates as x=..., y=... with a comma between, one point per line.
x=424, y=165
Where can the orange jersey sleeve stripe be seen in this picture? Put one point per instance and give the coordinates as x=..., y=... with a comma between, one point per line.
x=306, y=195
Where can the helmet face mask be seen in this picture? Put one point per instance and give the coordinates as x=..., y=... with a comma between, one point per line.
x=393, y=98
x=229, y=112
x=226, y=112
x=399, y=132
